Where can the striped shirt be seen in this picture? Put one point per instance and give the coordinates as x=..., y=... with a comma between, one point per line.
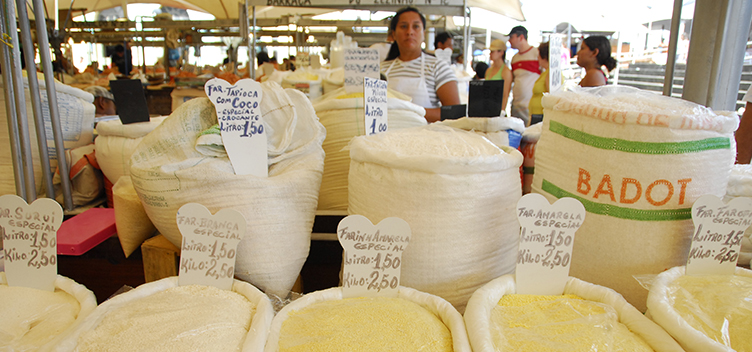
x=437, y=73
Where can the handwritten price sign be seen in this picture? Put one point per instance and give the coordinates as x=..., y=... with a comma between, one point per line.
x=717, y=239
x=546, y=240
x=376, y=105
x=373, y=255
x=209, y=246
x=239, y=115
x=30, y=241
x=360, y=63
x=554, y=63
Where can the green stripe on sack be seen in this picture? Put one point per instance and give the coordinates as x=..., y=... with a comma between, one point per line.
x=651, y=148
x=620, y=212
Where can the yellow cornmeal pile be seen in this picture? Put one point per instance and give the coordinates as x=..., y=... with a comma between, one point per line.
x=559, y=323
x=30, y=318
x=185, y=318
x=719, y=306
x=364, y=324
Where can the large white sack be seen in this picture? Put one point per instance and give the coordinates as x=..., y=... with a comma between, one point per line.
x=168, y=172
x=334, y=80
x=637, y=161
x=483, y=301
x=254, y=340
x=663, y=313
x=740, y=185
x=132, y=224
x=76, y=120
x=343, y=116
x=86, y=301
x=456, y=190
x=116, y=142
x=499, y=130
x=436, y=305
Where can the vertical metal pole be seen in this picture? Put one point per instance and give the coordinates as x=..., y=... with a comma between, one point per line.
x=618, y=57
x=57, y=129
x=468, y=48
x=253, y=47
x=10, y=109
x=668, y=79
x=36, y=100
x=23, y=123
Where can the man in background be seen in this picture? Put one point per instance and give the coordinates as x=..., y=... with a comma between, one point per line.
x=444, y=41
x=525, y=71
x=104, y=101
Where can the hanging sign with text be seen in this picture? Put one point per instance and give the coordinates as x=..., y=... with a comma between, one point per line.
x=376, y=104
x=373, y=255
x=360, y=63
x=239, y=116
x=554, y=63
x=717, y=240
x=546, y=240
x=209, y=248
x=30, y=241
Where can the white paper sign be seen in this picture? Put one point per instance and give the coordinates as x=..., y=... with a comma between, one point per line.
x=554, y=63
x=717, y=240
x=375, y=102
x=303, y=60
x=359, y=63
x=30, y=241
x=239, y=115
x=546, y=240
x=210, y=242
x=373, y=255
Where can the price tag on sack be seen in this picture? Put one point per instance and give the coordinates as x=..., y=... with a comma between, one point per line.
x=239, y=116
x=373, y=255
x=209, y=248
x=375, y=102
x=360, y=63
x=717, y=240
x=30, y=241
x=546, y=240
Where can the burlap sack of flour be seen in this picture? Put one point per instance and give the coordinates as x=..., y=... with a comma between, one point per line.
x=334, y=79
x=168, y=171
x=133, y=225
x=116, y=143
x=343, y=117
x=456, y=190
x=637, y=161
x=76, y=119
x=499, y=130
x=740, y=185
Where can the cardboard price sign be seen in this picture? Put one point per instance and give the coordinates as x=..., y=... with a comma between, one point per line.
x=239, y=115
x=376, y=105
x=360, y=63
x=546, y=240
x=373, y=255
x=30, y=241
x=717, y=240
x=209, y=248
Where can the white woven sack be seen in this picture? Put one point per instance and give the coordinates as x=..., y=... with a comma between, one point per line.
x=305, y=80
x=436, y=305
x=116, y=142
x=456, y=190
x=86, y=300
x=495, y=129
x=637, y=161
x=334, y=80
x=168, y=172
x=254, y=341
x=132, y=223
x=740, y=185
x=663, y=313
x=76, y=119
x=343, y=120
x=483, y=301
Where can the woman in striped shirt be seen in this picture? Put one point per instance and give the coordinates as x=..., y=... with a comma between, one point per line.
x=429, y=81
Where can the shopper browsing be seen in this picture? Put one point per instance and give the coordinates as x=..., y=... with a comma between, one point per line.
x=499, y=70
x=525, y=71
x=594, y=54
x=429, y=81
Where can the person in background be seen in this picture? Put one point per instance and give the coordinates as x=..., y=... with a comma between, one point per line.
x=743, y=135
x=292, y=63
x=121, y=59
x=104, y=101
x=540, y=86
x=480, y=70
x=594, y=53
x=444, y=41
x=430, y=82
x=499, y=70
x=383, y=48
x=525, y=71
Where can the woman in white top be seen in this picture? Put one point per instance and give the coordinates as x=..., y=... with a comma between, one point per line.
x=429, y=81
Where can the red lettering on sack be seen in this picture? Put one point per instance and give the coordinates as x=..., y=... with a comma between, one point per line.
x=683, y=190
x=583, y=179
x=605, y=188
x=649, y=190
x=623, y=196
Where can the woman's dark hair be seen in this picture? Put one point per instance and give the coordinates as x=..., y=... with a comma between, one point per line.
x=543, y=50
x=604, y=50
x=394, y=50
x=480, y=70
